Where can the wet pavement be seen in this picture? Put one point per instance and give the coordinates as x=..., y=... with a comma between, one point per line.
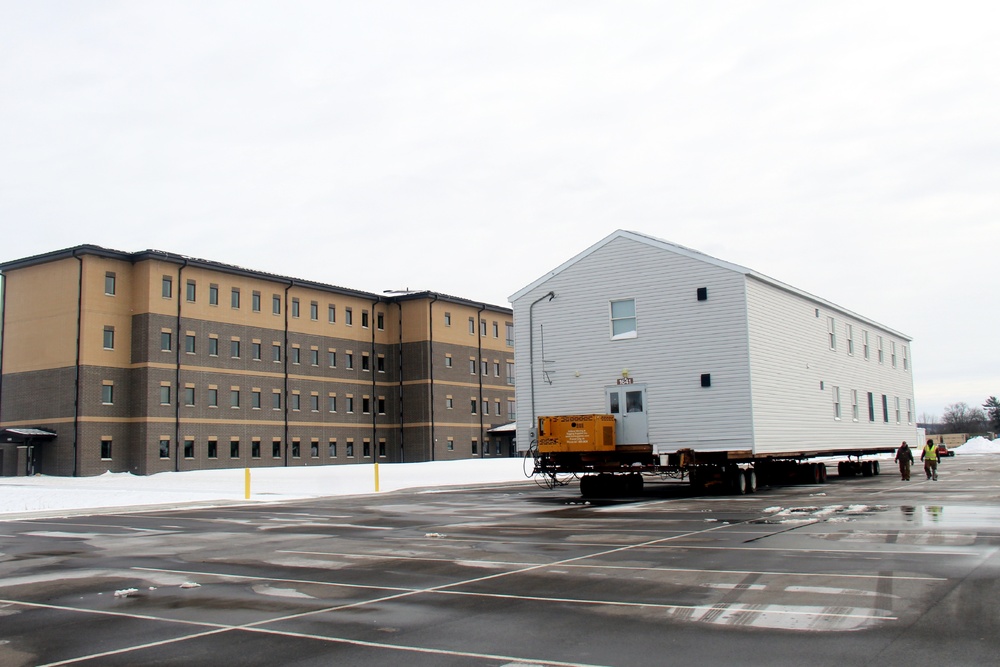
x=866, y=571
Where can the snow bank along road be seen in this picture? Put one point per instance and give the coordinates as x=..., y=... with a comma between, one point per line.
x=871, y=571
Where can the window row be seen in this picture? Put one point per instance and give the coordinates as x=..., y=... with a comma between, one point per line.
x=189, y=446
x=297, y=401
x=866, y=344
x=483, y=367
x=483, y=328
x=891, y=407
x=475, y=405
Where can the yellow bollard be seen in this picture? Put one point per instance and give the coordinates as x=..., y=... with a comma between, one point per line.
x=246, y=484
x=376, y=477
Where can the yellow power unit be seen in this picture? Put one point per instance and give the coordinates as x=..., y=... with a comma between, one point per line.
x=576, y=433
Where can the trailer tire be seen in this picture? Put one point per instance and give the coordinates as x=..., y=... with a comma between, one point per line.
x=867, y=469
x=738, y=482
x=822, y=473
x=875, y=467
x=587, y=486
x=750, y=481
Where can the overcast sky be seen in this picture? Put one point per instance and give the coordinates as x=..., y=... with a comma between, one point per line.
x=851, y=149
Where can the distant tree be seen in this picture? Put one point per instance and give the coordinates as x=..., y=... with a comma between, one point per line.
x=960, y=418
x=992, y=407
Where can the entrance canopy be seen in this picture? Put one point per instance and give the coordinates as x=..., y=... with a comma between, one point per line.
x=21, y=435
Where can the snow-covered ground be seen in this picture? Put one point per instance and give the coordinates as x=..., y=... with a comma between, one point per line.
x=20, y=495
x=46, y=494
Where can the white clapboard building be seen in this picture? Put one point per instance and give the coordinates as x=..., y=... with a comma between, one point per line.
x=689, y=351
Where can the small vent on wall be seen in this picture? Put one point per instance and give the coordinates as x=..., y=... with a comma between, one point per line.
x=702, y=294
x=706, y=380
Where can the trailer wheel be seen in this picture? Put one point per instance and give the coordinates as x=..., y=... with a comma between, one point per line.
x=867, y=469
x=633, y=484
x=750, y=481
x=738, y=482
x=822, y=473
x=587, y=486
x=875, y=467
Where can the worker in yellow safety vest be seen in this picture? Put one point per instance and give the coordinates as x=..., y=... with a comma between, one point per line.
x=930, y=458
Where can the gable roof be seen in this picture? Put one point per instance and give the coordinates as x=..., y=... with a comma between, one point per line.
x=695, y=254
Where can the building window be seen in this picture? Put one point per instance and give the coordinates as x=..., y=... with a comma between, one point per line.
x=314, y=357
x=897, y=409
x=213, y=346
x=255, y=399
x=188, y=448
x=850, y=340
x=234, y=348
x=885, y=408
x=892, y=353
x=472, y=326
x=623, y=320
x=276, y=400
x=166, y=341
x=234, y=449
x=331, y=313
x=164, y=394
x=213, y=295
x=472, y=366
x=313, y=311
x=332, y=449
x=295, y=307
x=296, y=399
x=276, y=449
x=366, y=405
x=510, y=333
x=276, y=304
x=314, y=402
x=234, y=298
x=167, y=287
x=496, y=369
x=475, y=446
x=105, y=449
x=881, y=354
x=511, y=410
x=381, y=449
x=350, y=448
x=364, y=319
x=349, y=360
x=109, y=338
x=871, y=407
x=496, y=330
x=451, y=444
x=295, y=354
x=189, y=396
x=836, y=402
x=484, y=367
x=350, y=405
x=276, y=352
x=255, y=448
x=234, y=398
x=447, y=319
x=296, y=449
x=365, y=362
x=510, y=372
x=449, y=403
x=164, y=448
x=474, y=406
x=482, y=328
x=314, y=449
x=831, y=330
x=909, y=411
x=349, y=317
x=381, y=405
x=192, y=291
x=380, y=363
x=854, y=404
x=255, y=350
x=331, y=358
x=864, y=345
x=255, y=301
x=447, y=361
x=906, y=359
x=380, y=321
x=108, y=394
x=366, y=446
x=109, y=283
x=189, y=343
x=213, y=397
x=331, y=403
x=213, y=449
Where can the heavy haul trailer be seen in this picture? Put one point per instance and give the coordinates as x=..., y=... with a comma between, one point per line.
x=584, y=446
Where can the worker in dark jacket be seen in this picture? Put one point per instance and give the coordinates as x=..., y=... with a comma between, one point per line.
x=904, y=457
x=930, y=459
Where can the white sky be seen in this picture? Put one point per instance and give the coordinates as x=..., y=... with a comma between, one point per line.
x=851, y=149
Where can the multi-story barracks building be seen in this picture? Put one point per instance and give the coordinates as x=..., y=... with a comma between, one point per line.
x=150, y=361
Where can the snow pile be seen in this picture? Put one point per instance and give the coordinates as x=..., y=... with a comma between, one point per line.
x=979, y=445
x=44, y=493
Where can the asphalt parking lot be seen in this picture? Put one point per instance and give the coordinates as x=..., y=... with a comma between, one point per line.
x=867, y=571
